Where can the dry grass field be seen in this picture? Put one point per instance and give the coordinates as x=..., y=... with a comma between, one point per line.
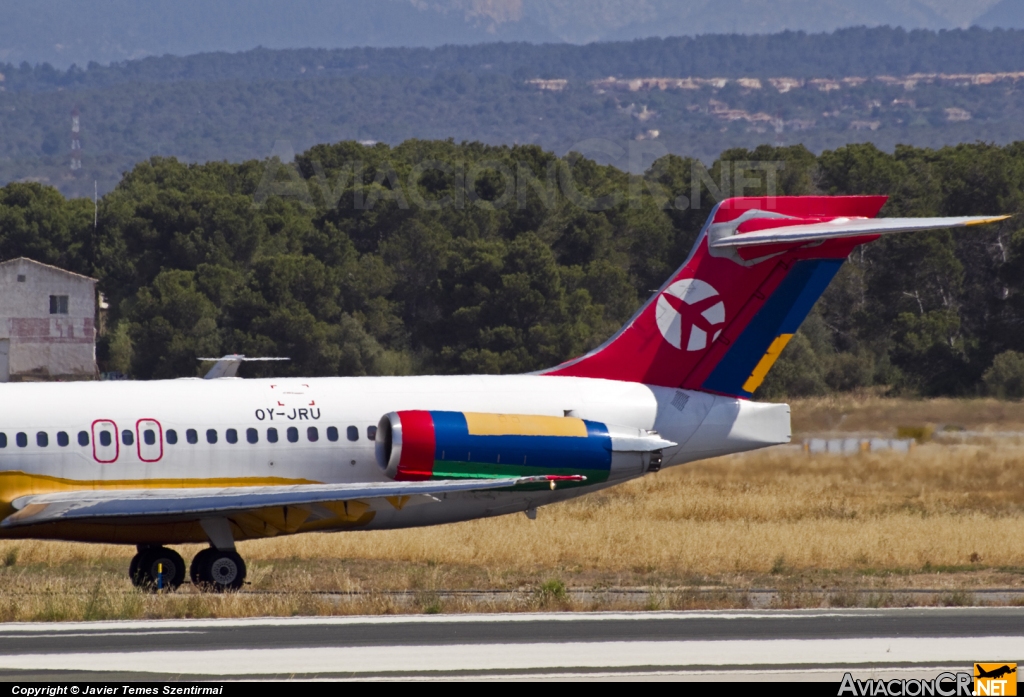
x=949, y=515
x=870, y=413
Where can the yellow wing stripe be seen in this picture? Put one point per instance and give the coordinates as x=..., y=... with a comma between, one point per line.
x=524, y=425
x=766, y=363
x=16, y=484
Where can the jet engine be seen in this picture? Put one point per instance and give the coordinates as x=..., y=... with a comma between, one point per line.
x=421, y=445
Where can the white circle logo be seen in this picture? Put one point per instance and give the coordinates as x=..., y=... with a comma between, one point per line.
x=690, y=310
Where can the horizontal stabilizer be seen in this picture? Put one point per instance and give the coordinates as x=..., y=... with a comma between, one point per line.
x=190, y=504
x=227, y=366
x=783, y=232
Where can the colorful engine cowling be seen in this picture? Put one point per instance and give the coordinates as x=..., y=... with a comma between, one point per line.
x=420, y=445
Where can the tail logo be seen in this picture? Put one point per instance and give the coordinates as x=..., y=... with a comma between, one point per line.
x=690, y=310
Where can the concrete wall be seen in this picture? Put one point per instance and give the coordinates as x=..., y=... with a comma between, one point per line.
x=44, y=345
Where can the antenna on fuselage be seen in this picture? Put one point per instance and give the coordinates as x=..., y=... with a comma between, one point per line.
x=227, y=366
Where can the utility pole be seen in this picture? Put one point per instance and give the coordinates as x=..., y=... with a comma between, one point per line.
x=76, y=143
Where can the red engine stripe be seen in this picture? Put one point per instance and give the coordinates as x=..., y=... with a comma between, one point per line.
x=418, y=446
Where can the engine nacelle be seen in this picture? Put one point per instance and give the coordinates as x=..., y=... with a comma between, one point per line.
x=420, y=445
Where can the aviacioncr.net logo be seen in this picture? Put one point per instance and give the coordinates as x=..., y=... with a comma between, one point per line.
x=690, y=311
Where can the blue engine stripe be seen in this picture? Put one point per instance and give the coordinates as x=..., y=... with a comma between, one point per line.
x=448, y=422
x=454, y=444
x=783, y=313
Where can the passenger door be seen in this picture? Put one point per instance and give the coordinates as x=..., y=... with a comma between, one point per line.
x=149, y=435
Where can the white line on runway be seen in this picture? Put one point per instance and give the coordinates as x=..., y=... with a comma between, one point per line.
x=539, y=656
x=923, y=672
x=133, y=625
x=63, y=635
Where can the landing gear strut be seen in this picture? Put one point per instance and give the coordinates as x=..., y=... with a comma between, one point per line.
x=157, y=568
x=216, y=570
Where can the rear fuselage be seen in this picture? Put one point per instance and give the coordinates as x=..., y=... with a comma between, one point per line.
x=232, y=432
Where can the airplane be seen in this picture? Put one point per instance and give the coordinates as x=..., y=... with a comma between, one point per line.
x=995, y=673
x=218, y=461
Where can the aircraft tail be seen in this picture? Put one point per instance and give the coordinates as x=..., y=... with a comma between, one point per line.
x=757, y=268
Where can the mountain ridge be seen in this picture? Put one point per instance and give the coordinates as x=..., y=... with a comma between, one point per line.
x=66, y=32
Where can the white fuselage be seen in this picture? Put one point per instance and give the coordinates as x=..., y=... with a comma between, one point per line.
x=702, y=426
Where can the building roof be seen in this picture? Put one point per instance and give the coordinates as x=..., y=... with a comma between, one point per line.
x=47, y=266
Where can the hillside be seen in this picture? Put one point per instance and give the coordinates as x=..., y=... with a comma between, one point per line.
x=1008, y=14
x=65, y=32
x=694, y=97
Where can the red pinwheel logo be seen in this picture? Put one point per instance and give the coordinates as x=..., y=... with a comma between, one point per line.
x=690, y=311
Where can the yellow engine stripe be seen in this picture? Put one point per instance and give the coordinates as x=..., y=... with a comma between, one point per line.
x=766, y=363
x=524, y=425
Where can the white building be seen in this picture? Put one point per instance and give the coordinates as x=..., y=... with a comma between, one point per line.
x=47, y=323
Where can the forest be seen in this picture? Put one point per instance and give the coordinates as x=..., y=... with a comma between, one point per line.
x=855, y=85
x=440, y=257
x=854, y=51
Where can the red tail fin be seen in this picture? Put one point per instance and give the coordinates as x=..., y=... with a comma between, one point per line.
x=721, y=320
x=756, y=270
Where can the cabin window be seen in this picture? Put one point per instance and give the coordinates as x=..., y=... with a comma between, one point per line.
x=127, y=437
x=312, y=434
x=21, y=439
x=293, y=434
x=3, y=440
x=42, y=440
x=172, y=436
x=58, y=304
x=83, y=438
x=272, y=435
x=252, y=435
x=21, y=278
x=332, y=433
x=191, y=436
x=231, y=435
x=352, y=433
x=62, y=439
x=149, y=436
x=211, y=435
x=105, y=439
x=371, y=432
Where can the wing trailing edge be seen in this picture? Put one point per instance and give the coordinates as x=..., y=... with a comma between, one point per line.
x=191, y=504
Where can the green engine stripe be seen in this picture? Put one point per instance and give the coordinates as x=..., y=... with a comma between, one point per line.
x=445, y=469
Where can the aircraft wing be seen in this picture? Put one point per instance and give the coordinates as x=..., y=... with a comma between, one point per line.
x=792, y=230
x=192, y=504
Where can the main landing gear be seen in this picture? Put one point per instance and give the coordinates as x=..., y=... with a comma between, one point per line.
x=157, y=568
x=160, y=568
x=217, y=570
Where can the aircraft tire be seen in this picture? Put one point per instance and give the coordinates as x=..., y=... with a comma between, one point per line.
x=157, y=568
x=133, y=567
x=219, y=571
x=197, y=564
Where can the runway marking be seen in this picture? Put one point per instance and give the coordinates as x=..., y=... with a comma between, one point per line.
x=539, y=656
x=131, y=625
x=96, y=634
x=813, y=674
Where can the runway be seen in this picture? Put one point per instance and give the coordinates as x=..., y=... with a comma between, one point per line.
x=808, y=644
